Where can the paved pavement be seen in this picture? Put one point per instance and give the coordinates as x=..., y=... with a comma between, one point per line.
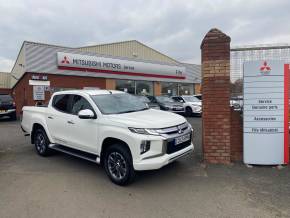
x=64, y=186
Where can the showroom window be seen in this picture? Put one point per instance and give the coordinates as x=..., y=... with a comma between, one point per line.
x=185, y=89
x=135, y=87
x=144, y=88
x=126, y=86
x=169, y=88
x=173, y=89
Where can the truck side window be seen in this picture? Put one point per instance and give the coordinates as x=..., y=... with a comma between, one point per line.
x=79, y=103
x=60, y=102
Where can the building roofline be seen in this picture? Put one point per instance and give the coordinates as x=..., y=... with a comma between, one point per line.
x=260, y=47
x=177, y=63
x=59, y=46
x=134, y=40
x=158, y=52
x=48, y=45
x=111, y=43
x=199, y=65
x=22, y=46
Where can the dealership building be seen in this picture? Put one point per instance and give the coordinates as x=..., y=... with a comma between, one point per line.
x=130, y=66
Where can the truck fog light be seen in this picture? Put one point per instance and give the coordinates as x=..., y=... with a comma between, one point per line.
x=144, y=146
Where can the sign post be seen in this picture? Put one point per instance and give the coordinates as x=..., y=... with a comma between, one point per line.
x=266, y=112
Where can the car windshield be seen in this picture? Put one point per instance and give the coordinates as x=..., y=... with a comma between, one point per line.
x=5, y=98
x=143, y=99
x=164, y=99
x=118, y=103
x=198, y=96
x=190, y=99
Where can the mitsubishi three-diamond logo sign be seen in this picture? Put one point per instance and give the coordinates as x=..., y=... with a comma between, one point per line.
x=265, y=68
x=65, y=60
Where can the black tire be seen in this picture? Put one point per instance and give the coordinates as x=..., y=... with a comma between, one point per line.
x=13, y=116
x=41, y=142
x=188, y=112
x=119, y=165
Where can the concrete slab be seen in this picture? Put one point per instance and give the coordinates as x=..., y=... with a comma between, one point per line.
x=64, y=186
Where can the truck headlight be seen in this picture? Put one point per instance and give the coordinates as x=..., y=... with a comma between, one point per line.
x=143, y=131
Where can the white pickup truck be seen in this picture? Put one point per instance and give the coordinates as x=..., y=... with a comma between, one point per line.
x=111, y=128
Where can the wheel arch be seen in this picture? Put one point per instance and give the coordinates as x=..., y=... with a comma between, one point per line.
x=107, y=142
x=36, y=126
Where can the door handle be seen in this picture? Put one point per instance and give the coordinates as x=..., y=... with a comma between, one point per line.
x=70, y=122
x=50, y=117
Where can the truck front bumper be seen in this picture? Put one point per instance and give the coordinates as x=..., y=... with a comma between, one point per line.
x=158, y=162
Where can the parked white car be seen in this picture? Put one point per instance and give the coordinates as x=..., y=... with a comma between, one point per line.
x=112, y=128
x=191, y=104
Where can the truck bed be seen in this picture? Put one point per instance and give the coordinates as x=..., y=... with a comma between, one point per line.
x=30, y=114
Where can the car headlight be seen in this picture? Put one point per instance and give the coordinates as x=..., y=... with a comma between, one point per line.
x=196, y=107
x=167, y=107
x=189, y=125
x=143, y=131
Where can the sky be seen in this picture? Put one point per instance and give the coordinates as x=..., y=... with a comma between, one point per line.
x=173, y=27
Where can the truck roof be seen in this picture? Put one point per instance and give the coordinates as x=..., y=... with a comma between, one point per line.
x=90, y=92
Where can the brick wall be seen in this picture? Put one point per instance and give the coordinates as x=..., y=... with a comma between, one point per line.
x=236, y=136
x=5, y=91
x=216, y=121
x=110, y=84
x=23, y=92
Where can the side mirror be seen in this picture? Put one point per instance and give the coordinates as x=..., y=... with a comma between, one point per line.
x=86, y=114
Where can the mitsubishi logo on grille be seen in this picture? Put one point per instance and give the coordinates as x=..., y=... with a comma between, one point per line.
x=65, y=60
x=179, y=130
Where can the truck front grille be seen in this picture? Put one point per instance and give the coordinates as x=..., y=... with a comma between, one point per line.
x=173, y=129
x=171, y=147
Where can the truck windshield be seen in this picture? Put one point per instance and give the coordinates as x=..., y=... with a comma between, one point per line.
x=118, y=103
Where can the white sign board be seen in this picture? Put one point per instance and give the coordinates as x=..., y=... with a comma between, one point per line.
x=265, y=112
x=77, y=62
x=38, y=93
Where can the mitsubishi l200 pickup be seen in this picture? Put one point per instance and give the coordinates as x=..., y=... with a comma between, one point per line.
x=111, y=128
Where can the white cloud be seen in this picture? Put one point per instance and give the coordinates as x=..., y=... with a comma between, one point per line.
x=6, y=64
x=174, y=27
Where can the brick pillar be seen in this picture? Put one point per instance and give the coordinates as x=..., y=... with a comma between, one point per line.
x=216, y=117
x=236, y=136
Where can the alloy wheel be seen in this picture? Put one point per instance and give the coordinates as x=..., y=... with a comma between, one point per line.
x=117, y=165
x=40, y=143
